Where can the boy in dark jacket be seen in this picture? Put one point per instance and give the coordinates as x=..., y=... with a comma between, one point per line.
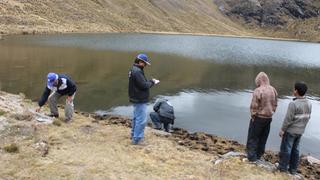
x=58, y=85
x=294, y=124
x=139, y=95
x=164, y=114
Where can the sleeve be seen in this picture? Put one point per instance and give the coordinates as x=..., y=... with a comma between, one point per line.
x=275, y=102
x=255, y=102
x=44, y=97
x=141, y=81
x=72, y=86
x=288, y=120
x=157, y=105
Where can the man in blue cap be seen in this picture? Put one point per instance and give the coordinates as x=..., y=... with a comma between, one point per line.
x=139, y=87
x=58, y=85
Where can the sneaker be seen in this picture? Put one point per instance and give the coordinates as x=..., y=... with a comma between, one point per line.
x=297, y=176
x=68, y=120
x=140, y=143
x=282, y=170
x=53, y=115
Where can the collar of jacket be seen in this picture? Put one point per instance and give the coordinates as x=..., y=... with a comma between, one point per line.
x=303, y=97
x=137, y=65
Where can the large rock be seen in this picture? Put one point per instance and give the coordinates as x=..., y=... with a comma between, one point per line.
x=271, y=12
x=311, y=160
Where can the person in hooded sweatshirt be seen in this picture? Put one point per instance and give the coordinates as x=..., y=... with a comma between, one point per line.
x=263, y=106
x=163, y=115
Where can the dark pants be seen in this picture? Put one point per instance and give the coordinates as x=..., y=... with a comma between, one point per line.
x=158, y=120
x=257, y=137
x=289, y=152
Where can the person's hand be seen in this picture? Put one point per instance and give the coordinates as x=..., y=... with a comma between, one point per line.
x=155, y=81
x=281, y=133
x=38, y=109
x=253, y=117
x=69, y=99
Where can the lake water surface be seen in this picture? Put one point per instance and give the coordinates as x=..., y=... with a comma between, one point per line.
x=209, y=80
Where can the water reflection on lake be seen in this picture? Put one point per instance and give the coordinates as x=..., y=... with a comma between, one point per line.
x=206, y=78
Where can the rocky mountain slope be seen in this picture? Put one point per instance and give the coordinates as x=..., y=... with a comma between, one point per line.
x=272, y=12
x=284, y=18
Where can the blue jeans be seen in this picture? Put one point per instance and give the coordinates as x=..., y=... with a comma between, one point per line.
x=138, y=122
x=289, y=152
x=157, y=121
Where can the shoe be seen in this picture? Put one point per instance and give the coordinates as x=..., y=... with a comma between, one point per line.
x=53, y=115
x=282, y=170
x=297, y=176
x=68, y=120
x=140, y=143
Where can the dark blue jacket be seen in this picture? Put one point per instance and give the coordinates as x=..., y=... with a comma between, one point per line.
x=138, y=85
x=65, y=87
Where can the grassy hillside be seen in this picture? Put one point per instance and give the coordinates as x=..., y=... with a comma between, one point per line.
x=174, y=16
x=34, y=16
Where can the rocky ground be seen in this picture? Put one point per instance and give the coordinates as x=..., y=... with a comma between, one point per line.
x=34, y=146
x=295, y=19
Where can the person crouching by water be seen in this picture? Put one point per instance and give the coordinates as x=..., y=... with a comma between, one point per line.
x=58, y=85
x=163, y=115
x=294, y=124
x=263, y=106
x=139, y=95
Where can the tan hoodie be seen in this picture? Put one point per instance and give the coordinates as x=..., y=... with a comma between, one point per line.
x=264, y=98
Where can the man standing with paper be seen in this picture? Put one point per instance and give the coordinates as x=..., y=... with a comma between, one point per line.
x=138, y=89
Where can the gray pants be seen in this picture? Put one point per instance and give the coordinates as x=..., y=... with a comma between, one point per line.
x=68, y=108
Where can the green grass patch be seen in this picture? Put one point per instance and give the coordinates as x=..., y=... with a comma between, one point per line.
x=56, y=122
x=2, y=113
x=11, y=148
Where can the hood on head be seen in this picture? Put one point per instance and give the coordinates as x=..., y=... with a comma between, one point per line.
x=262, y=79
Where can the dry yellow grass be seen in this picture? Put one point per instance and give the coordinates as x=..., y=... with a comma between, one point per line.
x=87, y=150
x=183, y=16
x=115, y=16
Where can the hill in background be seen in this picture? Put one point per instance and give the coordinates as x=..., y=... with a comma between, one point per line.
x=274, y=18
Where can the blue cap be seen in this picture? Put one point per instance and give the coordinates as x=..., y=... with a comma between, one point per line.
x=51, y=78
x=144, y=58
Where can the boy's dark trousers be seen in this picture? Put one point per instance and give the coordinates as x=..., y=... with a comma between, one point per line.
x=258, y=133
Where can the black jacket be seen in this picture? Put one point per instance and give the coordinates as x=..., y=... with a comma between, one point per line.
x=65, y=87
x=164, y=109
x=138, y=85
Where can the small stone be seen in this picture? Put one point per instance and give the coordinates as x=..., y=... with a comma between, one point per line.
x=42, y=147
x=181, y=143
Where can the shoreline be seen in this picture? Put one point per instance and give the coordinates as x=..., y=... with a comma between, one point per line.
x=165, y=33
x=21, y=125
x=213, y=144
